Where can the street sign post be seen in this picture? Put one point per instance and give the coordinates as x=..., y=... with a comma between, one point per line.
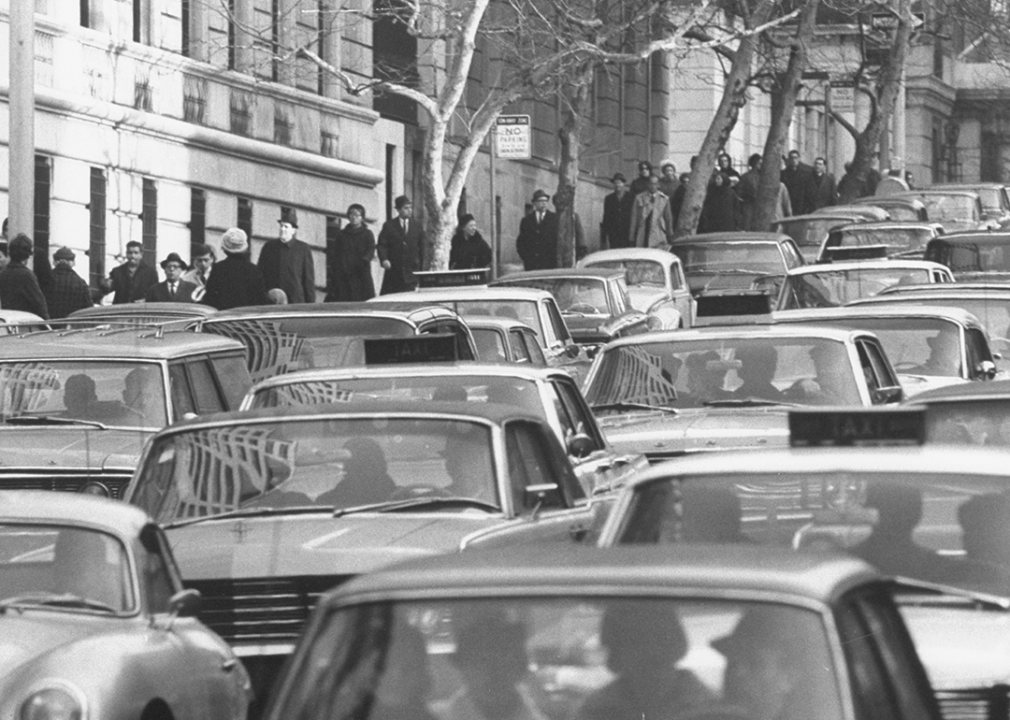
x=889, y=21
x=843, y=96
x=513, y=137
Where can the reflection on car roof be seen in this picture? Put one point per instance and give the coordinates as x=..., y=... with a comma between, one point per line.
x=992, y=390
x=579, y=272
x=882, y=264
x=330, y=309
x=114, y=344
x=731, y=332
x=49, y=506
x=884, y=310
x=732, y=237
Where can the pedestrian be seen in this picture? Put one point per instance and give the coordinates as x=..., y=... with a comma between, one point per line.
x=641, y=183
x=173, y=288
x=131, y=280
x=783, y=206
x=677, y=201
x=796, y=175
x=891, y=183
x=821, y=190
x=651, y=218
x=69, y=291
x=537, y=242
x=400, y=245
x=724, y=164
x=747, y=191
x=19, y=288
x=668, y=182
x=286, y=262
x=616, y=224
x=235, y=282
x=202, y=257
x=469, y=249
x=350, y=260
x=721, y=210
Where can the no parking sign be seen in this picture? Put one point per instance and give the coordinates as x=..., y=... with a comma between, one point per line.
x=512, y=137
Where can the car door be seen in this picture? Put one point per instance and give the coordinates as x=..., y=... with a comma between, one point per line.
x=881, y=380
x=680, y=294
x=194, y=388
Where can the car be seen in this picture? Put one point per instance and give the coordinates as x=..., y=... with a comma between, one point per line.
x=282, y=338
x=972, y=414
x=870, y=213
x=929, y=346
x=980, y=256
x=593, y=302
x=955, y=210
x=991, y=305
x=859, y=483
x=536, y=308
x=675, y=393
x=834, y=284
x=96, y=623
x=19, y=322
x=561, y=633
x=266, y=509
x=656, y=283
x=810, y=231
x=76, y=406
x=735, y=260
x=550, y=394
x=994, y=196
x=902, y=239
x=901, y=209
x=505, y=340
x=146, y=313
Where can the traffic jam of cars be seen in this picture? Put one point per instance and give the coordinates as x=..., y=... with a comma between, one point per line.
x=751, y=476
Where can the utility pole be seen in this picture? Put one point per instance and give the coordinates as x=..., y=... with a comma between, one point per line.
x=21, y=150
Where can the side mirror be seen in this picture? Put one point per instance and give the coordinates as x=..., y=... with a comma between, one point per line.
x=572, y=351
x=985, y=370
x=185, y=603
x=580, y=445
x=542, y=494
x=887, y=395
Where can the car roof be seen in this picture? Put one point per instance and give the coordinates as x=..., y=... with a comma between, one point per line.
x=730, y=332
x=966, y=186
x=615, y=254
x=992, y=390
x=131, y=343
x=926, y=295
x=153, y=309
x=882, y=264
x=481, y=322
x=406, y=310
x=749, y=572
x=480, y=412
x=974, y=238
x=883, y=200
x=464, y=293
x=19, y=316
x=891, y=225
x=948, y=314
x=578, y=272
x=733, y=237
x=840, y=217
x=525, y=372
x=966, y=287
x=934, y=191
x=58, y=507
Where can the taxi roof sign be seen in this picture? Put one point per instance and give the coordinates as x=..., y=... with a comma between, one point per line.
x=855, y=252
x=451, y=278
x=733, y=308
x=856, y=428
x=434, y=347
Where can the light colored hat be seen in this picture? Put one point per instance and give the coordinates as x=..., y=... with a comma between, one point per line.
x=234, y=241
x=64, y=253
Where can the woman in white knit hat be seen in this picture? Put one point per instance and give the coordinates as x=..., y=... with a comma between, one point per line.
x=235, y=282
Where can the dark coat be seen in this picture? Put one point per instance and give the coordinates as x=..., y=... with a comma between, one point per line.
x=235, y=282
x=183, y=292
x=403, y=251
x=289, y=266
x=821, y=191
x=796, y=181
x=747, y=191
x=721, y=209
x=19, y=290
x=537, y=243
x=615, y=230
x=469, y=253
x=129, y=289
x=349, y=265
x=69, y=292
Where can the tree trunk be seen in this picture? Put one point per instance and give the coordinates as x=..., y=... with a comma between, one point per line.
x=570, y=134
x=783, y=106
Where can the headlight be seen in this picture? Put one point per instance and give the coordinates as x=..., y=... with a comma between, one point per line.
x=53, y=703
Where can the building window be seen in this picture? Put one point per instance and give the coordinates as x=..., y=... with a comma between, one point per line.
x=241, y=114
x=86, y=13
x=149, y=222
x=142, y=94
x=275, y=40
x=194, y=93
x=141, y=18
x=329, y=144
x=283, y=125
x=332, y=228
x=43, y=187
x=231, y=35
x=96, y=223
x=245, y=217
x=197, y=218
x=186, y=11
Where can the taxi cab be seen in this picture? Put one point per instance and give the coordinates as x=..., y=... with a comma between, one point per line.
x=76, y=406
x=723, y=633
x=266, y=509
x=863, y=484
x=900, y=239
x=656, y=283
x=549, y=394
x=714, y=388
x=736, y=260
x=973, y=256
x=836, y=283
x=506, y=341
x=282, y=338
x=810, y=231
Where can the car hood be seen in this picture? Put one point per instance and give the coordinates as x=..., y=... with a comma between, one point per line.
x=643, y=297
x=661, y=434
x=961, y=648
x=62, y=447
x=25, y=637
x=317, y=544
x=915, y=384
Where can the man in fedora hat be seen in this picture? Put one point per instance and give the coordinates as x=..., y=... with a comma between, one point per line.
x=69, y=291
x=537, y=243
x=131, y=280
x=400, y=242
x=174, y=288
x=286, y=262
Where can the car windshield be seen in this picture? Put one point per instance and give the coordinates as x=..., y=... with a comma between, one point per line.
x=64, y=567
x=966, y=257
x=286, y=344
x=897, y=240
x=581, y=658
x=451, y=387
x=573, y=295
x=810, y=232
x=830, y=288
x=949, y=529
x=490, y=345
x=716, y=257
x=637, y=273
x=950, y=207
x=113, y=393
x=728, y=372
x=322, y=462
